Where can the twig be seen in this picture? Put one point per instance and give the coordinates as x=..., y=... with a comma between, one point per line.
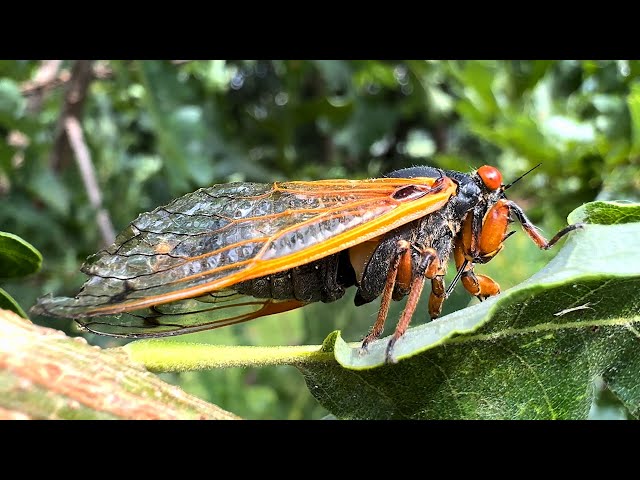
x=47, y=79
x=47, y=71
x=76, y=92
x=83, y=158
x=46, y=75
x=69, y=139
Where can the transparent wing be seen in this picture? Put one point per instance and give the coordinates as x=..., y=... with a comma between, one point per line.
x=216, y=237
x=191, y=315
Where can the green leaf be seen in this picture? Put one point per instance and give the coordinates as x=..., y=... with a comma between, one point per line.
x=156, y=99
x=8, y=303
x=606, y=213
x=533, y=352
x=53, y=192
x=17, y=257
x=478, y=78
x=337, y=73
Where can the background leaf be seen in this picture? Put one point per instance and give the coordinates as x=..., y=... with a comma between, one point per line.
x=17, y=256
x=8, y=303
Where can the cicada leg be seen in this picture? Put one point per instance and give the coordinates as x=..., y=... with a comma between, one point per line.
x=438, y=293
x=401, y=275
x=480, y=286
x=429, y=268
x=402, y=257
x=479, y=243
x=533, y=233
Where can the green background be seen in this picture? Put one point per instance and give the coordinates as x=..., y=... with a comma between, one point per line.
x=158, y=129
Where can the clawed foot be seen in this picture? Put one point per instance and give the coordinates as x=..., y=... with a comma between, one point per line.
x=389, y=359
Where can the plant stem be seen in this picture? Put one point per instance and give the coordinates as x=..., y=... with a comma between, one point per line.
x=170, y=356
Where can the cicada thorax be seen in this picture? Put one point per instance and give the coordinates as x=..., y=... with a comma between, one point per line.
x=409, y=256
x=482, y=234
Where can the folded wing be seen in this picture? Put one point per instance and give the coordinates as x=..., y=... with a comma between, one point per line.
x=213, y=238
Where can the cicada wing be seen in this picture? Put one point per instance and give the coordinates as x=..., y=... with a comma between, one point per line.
x=187, y=316
x=216, y=237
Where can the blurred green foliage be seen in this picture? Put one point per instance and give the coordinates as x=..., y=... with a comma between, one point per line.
x=159, y=129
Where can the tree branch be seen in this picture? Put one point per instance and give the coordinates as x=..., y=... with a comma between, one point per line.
x=75, y=95
x=46, y=375
x=88, y=174
x=46, y=75
x=49, y=77
x=69, y=139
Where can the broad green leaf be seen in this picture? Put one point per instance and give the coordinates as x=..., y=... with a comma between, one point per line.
x=478, y=78
x=156, y=98
x=606, y=213
x=533, y=352
x=367, y=124
x=373, y=72
x=337, y=73
x=8, y=303
x=17, y=257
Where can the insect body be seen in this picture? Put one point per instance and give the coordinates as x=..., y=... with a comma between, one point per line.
x=231, y=253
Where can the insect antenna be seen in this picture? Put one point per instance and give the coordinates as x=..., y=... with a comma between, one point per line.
x=520, y=177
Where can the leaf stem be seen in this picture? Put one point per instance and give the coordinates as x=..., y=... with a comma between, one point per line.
x=170, y=356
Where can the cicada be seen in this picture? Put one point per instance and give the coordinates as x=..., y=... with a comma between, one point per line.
x=234, y=252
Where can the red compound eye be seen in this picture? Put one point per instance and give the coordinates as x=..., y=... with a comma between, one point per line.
x=491, y=177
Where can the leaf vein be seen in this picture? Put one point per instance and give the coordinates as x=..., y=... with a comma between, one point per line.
x=454, y=393
x=545, y=394
x=384, y=396
x=544, y=327
x=632, y=330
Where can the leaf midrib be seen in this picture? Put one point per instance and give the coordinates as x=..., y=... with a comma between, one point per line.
x=543, y=327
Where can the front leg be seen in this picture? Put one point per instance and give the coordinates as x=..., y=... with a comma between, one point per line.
x=532, y=231
x=480, y=286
